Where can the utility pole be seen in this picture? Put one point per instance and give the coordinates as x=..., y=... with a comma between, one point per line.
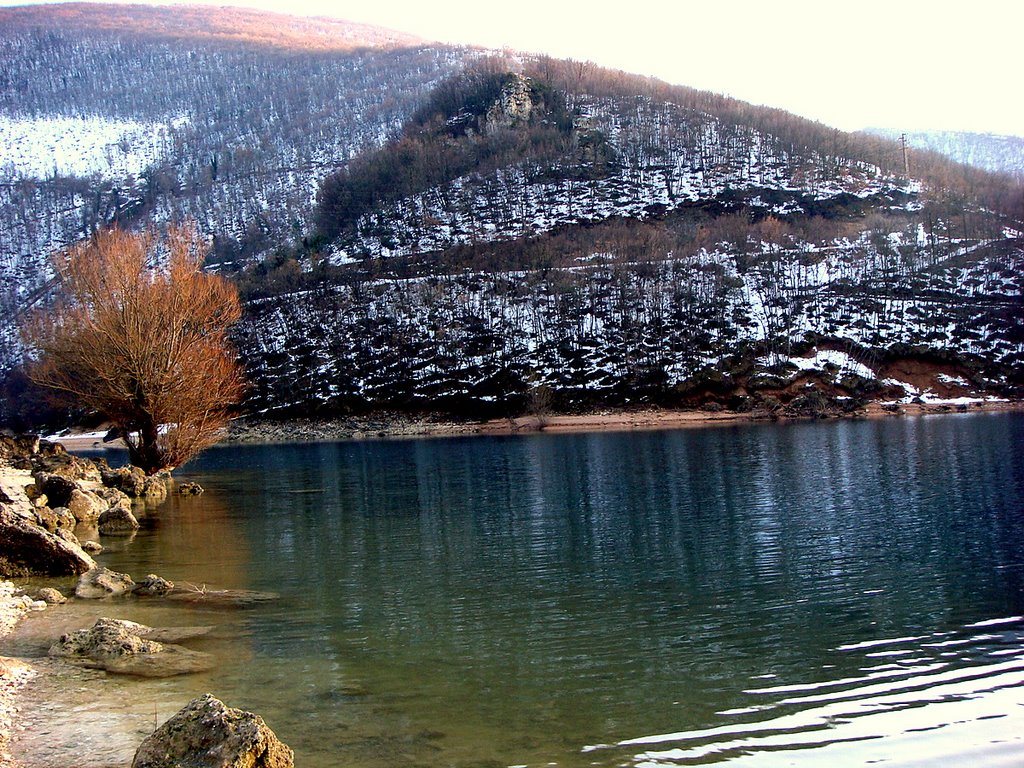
x=906, y=159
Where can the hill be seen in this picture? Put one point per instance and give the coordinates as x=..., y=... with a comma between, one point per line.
x=992, y=152
x=429, y=227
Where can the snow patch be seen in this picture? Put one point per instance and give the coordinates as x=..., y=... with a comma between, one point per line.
x=44, y=147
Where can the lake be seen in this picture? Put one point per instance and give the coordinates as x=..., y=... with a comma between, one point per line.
x=788, y=594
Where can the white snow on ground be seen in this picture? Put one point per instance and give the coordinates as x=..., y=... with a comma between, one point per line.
x=42, y=147
x=841, y=360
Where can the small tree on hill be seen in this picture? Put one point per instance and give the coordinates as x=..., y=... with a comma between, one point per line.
x=144, y=345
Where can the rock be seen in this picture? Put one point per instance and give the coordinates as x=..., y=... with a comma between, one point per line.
x=124, y=647
x=190, y=489
x=129, y=480
x=118, y=521
x=103, y=582
x=170, y=662
x=208, y=734
x=54, y=519
x=68, y=536
x=51, y=596
x=56, y=488
x=67, y=465
x=86, y=506
x=27, y=549
x=115, y=498
x=155, y=487
x=153, y=586
x=92, y=547
x=106, y=639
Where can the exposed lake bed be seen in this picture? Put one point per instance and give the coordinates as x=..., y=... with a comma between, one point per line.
x=608, y=598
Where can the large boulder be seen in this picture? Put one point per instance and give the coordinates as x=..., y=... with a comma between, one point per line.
x=208, y=734
x=26, y=549
x=102, y=582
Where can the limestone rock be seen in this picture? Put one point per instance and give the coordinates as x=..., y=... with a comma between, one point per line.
x=92, y=547
x=118, y=521
x=155, y=487
x=115, y=498
x=51, y=596
x=190, y=489
x=56, y=488
x=86, y=506
x=106, y=639
x=55, y=519
x=129, y=480
x=208, y=734
x=153, y=586
x=27, y=549
x=103, y=582
x=127, y=648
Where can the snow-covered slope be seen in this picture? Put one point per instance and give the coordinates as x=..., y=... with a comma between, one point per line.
x=597, y=236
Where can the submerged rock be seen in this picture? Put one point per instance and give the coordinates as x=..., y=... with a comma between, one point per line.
x=102, y=582
x=92, y=547
x=190, y=489
x=126, y=648
x=221, y=598
x=208, y=734
x=153, y=586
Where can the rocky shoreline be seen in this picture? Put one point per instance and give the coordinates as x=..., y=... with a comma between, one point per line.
x=54, y=507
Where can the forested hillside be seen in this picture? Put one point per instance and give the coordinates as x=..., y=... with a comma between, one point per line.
x=421, y=227
x=993, y=152
x=133, y=114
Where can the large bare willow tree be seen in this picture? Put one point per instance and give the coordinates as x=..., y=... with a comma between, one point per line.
x=139, y=334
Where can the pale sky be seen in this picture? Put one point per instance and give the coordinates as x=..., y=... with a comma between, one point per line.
x=907, y=65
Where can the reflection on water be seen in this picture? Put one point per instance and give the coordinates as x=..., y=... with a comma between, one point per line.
x=652, y=598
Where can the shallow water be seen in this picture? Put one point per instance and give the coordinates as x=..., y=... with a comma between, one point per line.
x=850, y=592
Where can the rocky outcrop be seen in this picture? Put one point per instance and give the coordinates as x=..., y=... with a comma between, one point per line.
x=127, y=648
x=26, y=548
x=47, y=492
x=208, y=734
x=513, y=106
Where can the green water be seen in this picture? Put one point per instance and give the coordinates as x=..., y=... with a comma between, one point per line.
x=768, y=594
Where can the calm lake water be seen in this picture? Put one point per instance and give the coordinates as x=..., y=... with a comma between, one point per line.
x=845, y=592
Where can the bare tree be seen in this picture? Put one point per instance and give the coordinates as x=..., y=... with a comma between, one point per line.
x=139, y=334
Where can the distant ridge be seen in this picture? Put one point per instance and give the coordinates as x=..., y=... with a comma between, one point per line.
x=225, y=24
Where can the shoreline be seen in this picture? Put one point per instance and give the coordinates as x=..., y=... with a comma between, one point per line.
x=392, y=426
x=382, y=426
